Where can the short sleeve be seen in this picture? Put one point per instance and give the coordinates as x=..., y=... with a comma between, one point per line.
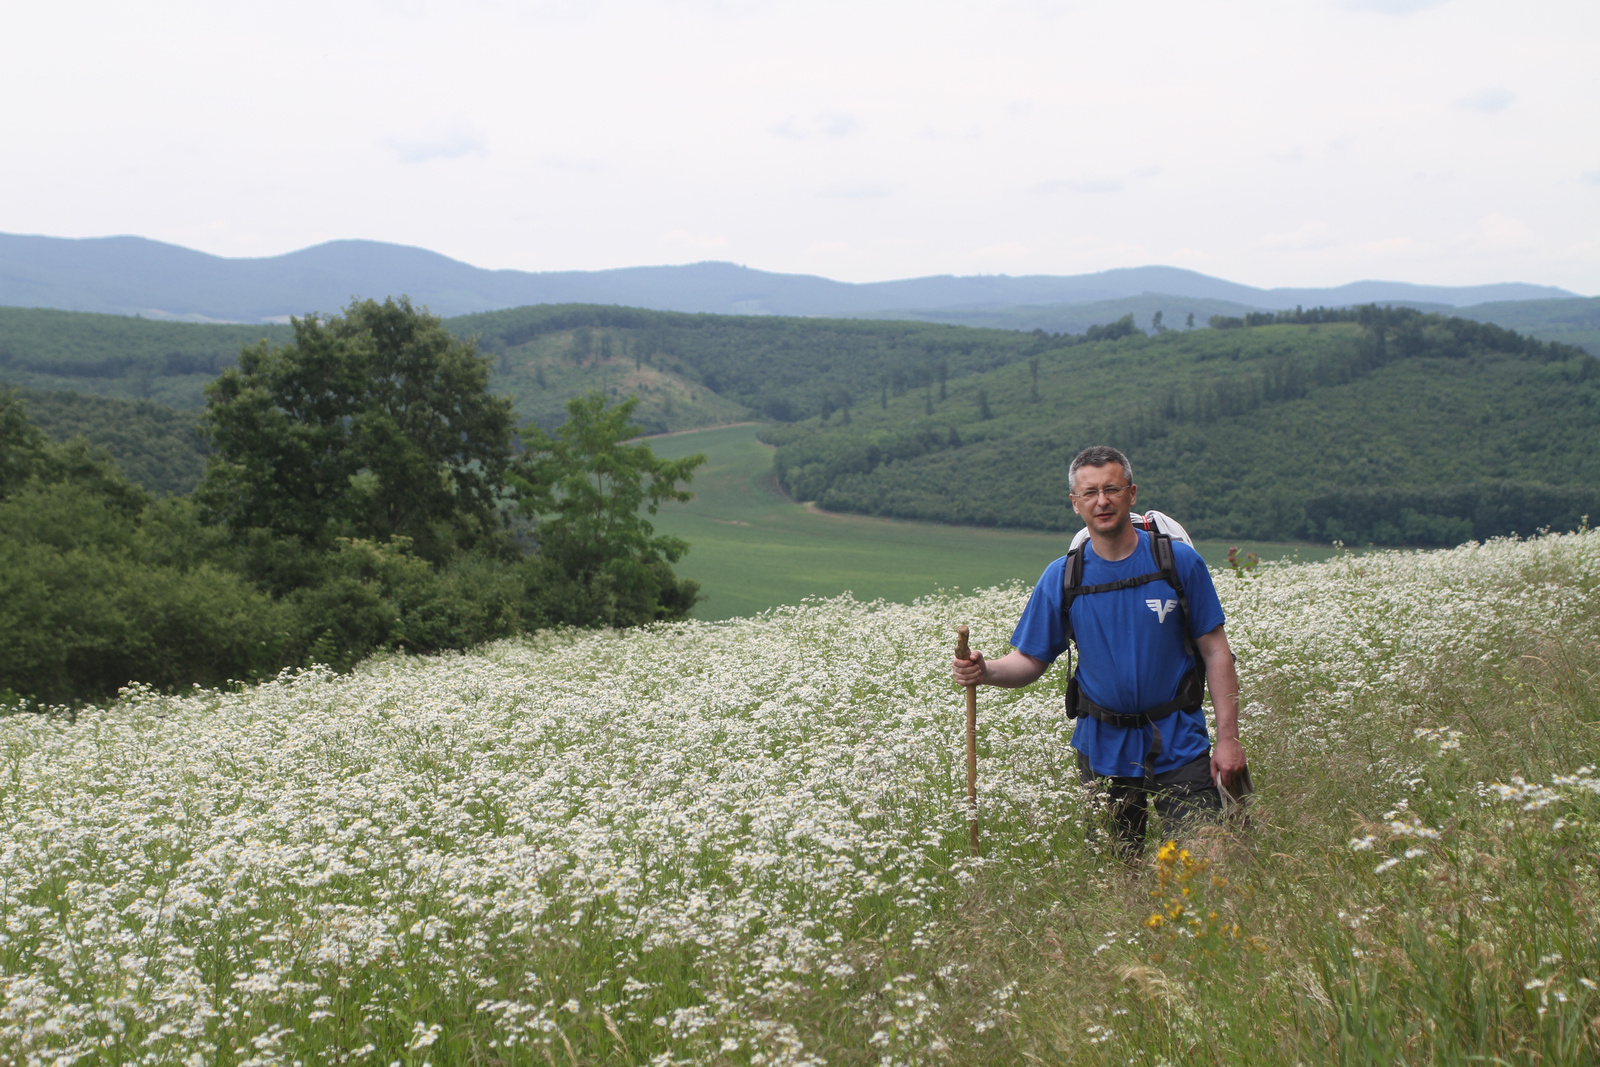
x=1039, y=632
x=1205, y=607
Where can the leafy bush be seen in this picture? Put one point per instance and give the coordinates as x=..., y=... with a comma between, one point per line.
x=376, y=596
x=86, y=603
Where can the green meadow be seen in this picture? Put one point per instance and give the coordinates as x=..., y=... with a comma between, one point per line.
x=751, y=548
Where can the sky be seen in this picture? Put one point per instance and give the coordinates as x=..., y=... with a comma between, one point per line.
x=1270, y=142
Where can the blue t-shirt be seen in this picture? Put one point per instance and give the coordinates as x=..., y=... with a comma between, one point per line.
x=1130, y=652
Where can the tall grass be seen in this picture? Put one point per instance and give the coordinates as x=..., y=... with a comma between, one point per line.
x=1403, y=894
x=745, y=843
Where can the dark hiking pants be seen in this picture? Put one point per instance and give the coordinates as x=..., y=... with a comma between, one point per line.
x=1119, y=807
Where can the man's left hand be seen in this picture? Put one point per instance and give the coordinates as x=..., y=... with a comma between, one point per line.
x=1227, y=760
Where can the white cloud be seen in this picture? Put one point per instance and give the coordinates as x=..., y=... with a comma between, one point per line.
x=1095, y=183
x=1308, y=238
x=971, y=132
x=1079, y=185
x=582, y=166
x=1389, y=245
x=1488, y=100
x=827, y=124
x=1390, y=7
x=1012, y=254
x=1502, y=231
x=697, y=242
x=440, y=139
x=855, y=192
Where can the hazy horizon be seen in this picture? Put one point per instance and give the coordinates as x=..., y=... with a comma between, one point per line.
x=713, y=261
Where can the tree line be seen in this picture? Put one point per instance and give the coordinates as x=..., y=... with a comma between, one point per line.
x=364, y=491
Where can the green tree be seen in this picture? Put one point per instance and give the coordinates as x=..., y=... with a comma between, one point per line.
x=22, y=444
x=375, y=424
x=600, y=561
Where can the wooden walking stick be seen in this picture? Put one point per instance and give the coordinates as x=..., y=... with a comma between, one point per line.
x=972, y=742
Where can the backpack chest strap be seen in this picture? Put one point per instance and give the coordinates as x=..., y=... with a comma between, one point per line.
x=1072, y=591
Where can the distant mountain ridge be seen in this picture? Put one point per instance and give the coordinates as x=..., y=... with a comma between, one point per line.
x=137, y=276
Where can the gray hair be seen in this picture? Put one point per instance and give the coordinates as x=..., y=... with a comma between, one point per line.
x=1098, y=456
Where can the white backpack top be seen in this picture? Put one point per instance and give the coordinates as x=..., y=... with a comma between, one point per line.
x=1150, y=520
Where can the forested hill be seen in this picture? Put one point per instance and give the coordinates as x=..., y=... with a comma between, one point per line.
x=157, y=446
x=133, y=385
x=121, y=356
x=1401, y=428
x=1383, y=425
x=727, y=366
x=688, y=370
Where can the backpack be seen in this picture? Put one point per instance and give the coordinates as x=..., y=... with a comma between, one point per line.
x=1163, y=529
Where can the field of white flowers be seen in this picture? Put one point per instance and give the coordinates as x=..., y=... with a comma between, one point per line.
x=745, y=842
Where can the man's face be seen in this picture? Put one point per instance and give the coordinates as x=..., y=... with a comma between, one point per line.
x=1105, y=513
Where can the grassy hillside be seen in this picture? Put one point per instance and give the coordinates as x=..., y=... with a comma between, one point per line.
x=746, y=842
x=1285, y=431
x=751, y=548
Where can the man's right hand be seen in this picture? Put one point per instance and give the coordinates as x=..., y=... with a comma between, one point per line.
x=969, y=671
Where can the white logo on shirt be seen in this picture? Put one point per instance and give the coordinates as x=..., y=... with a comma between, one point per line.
x=1161, y=608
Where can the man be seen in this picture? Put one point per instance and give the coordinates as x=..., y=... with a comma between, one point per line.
x=1134, y=665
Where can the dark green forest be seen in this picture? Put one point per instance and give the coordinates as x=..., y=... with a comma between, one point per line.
x=116, y=356
x=1367, y=425
x=158, y=447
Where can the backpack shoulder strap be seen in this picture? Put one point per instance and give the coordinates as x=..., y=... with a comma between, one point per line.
x=1167, y=564
x=1071, y=587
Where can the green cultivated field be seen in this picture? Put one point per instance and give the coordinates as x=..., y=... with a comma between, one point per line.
x=752, y=549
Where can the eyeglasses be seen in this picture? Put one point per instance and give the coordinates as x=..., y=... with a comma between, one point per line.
x=1110, y=492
